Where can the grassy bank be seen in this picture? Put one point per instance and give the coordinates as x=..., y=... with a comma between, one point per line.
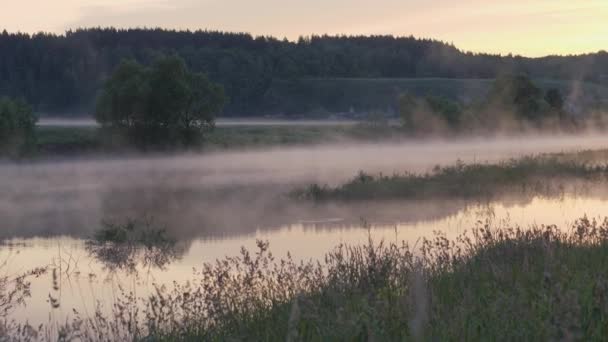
x=537, y=174
x=67, y=140
x=90, y=140
x=271, y=136
x=494, y=283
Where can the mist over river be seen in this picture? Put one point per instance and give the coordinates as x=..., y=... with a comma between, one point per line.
x=215, y=203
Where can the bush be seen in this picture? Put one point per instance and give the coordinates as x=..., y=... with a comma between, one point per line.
x=17, y=128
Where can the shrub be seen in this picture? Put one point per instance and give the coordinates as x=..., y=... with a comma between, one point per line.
x=17, y=127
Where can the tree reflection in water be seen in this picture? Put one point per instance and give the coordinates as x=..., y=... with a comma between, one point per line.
x=134, y=245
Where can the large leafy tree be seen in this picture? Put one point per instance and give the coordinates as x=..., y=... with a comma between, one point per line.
x=17, y=127
x=518, y=94
x=160, y=106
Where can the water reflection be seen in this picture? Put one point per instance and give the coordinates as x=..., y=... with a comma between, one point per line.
x=88, y=277
x=226, y=194
x=131, y=258
x=191, y=213
x=134, y=245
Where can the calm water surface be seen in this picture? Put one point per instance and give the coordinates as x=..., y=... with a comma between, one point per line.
x=85, y=280
x=215, y=204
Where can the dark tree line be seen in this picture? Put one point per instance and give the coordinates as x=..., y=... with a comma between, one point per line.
x=63, y=73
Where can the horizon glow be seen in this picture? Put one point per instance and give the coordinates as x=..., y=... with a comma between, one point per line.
x=529, y=28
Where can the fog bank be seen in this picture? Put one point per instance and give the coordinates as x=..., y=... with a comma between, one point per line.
x=225, y=190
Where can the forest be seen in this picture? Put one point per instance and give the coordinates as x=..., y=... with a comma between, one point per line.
x=63, y=74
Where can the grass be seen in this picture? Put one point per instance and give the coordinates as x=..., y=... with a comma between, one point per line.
x=497, y=284
x=493, y=283
x=536, y=174
x=88, y=140
x=268, y=136
x=67, y=140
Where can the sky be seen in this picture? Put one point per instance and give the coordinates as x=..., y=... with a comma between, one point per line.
x=525, y=27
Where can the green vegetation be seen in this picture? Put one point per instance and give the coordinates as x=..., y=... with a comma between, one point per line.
x=91, y=140
x=554, y=99
x=514, y=284
x=323, y=96
x=261, y=75
x=429, y=114
x=537, y=175
x=165, y=105
x=15, y=289
x=272, y=136
x=68, y=140
x=17, y=128
x=494, y=283
x=513, y=102
x=517, y=93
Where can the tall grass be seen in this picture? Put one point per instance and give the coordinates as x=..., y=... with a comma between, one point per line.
x=494, y=283
x=15, y=289
x=542, y=175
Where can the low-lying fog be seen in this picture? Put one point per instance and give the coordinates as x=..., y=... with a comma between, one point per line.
x=222, y=122
x=234, y=192
x=215, y=203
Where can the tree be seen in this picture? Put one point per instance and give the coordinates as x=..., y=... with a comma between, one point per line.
x=160, y=106
x=17, y=127
x=448, y=110
x=554, y=99
x=517, y=93
x=430, y=114
x=63, y=73
x=407, y=107
x=122, y=102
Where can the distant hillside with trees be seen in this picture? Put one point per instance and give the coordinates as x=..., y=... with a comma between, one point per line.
x=62, y=74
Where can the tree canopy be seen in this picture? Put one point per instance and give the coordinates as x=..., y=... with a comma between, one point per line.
x=159, y=106
x=17, y=127
x=63, y=73
x=429, y=114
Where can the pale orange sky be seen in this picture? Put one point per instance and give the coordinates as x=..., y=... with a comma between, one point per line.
x=531, y=28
